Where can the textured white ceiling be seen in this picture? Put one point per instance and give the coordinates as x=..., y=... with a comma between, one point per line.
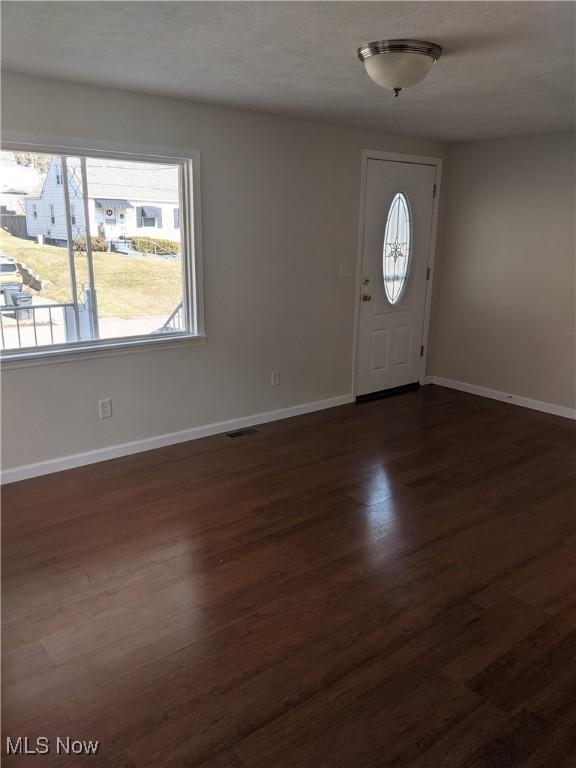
x=507, y=67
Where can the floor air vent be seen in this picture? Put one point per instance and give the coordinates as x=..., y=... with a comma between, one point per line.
x=241, y=433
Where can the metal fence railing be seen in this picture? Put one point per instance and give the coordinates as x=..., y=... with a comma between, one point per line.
x=41, y=325
x=34, y=325
x=175, y=322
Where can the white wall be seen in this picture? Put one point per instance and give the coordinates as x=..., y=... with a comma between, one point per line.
x=280, y=212
x=504, y=308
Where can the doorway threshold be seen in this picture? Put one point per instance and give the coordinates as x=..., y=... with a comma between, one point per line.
x=387, y=392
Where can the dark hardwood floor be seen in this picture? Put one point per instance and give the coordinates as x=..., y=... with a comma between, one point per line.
x=390, y=584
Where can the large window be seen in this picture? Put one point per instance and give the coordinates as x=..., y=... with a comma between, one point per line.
x=101, y=260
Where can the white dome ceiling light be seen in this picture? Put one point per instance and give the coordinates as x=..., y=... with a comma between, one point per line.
x=397, y=64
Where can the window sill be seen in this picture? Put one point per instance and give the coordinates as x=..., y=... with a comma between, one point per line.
x=88, y=351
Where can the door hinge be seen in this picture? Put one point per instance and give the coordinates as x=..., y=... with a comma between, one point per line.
x=428, y=274
x=434, y=192
x=422, y=351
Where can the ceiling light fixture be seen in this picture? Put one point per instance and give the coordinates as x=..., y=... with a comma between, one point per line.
x=397, y=64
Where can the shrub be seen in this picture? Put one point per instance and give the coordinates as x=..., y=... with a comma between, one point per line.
x=155, y=245
x=98, y=243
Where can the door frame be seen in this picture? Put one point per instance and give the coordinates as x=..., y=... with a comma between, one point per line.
x=398, y=157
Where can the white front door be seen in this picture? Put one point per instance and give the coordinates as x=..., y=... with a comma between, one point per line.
x=395, y=254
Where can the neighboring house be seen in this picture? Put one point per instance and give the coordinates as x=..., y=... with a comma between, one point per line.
x=12, y=214
x=13, y=203
x=16, y=181
x=124, y=199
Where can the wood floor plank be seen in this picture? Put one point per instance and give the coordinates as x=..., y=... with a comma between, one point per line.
x=543, y=661
x=389, y=584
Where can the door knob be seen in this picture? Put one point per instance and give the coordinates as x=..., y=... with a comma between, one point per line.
x=366, y=297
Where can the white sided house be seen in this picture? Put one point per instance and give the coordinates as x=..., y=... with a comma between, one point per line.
x=124, y=200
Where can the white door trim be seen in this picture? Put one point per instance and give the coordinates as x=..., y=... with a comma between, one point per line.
x=375, y=154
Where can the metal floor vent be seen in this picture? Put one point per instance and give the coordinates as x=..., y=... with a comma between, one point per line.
x=241, y=433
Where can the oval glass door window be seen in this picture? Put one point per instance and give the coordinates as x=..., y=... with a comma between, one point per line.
x=397, y=247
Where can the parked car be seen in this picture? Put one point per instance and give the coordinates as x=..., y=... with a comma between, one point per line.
x=10, y=275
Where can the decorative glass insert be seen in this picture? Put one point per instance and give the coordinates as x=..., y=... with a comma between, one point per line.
x=397, y=248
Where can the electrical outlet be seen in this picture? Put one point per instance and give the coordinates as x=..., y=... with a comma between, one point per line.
x=105, y=407
x=275, y=378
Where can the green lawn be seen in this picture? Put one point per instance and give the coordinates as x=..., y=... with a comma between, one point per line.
x=127, y=286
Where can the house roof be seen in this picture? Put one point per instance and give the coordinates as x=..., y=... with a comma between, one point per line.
x=112, y=202
x=37, y=191
x=16, y=179
x=110, y=179
x=12, y=202
x=149, y=210
x=120, y=179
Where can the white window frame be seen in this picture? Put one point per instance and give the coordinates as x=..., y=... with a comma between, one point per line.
x=192, y=278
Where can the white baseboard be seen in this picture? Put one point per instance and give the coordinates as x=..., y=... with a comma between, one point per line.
x=26, y=471
x=159, y=441
x=494, y=394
